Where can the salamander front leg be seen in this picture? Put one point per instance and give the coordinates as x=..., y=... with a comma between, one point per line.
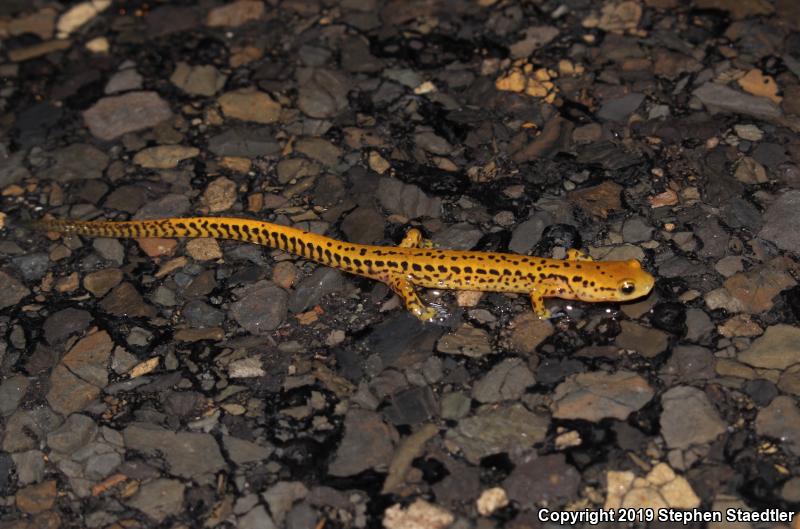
x=537, y=301
x=414, y=239
x=403, y=288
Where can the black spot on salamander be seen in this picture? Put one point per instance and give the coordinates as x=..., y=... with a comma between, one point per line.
x=390, y=264
x=538, y=268
x=442, y=269
x=329, y=244
x=346, y=259
x=455, y=269
x=328, y=255
x=506, y=272
x=566, y=264
x=180, y=225
x=467, y=269
x=591, y=283
x=542, y=276
x=357, y=262
x=362, y=252
x=494, y=272
x=404, y=265
x=577, y=279
x=368, y=263
x=585, y=283
x=480, y=271
x=379, y=263
x=416, y=267
x=429, y=268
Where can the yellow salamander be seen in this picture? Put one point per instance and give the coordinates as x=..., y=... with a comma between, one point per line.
x=413, y=263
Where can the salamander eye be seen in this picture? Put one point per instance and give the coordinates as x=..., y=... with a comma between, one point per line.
x=627, y=287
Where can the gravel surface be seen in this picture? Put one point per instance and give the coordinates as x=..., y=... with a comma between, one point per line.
x=176, y=384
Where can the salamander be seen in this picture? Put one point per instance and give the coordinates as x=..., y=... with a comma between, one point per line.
x=414, y=263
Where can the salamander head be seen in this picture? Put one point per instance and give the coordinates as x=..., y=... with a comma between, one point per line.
x=619, y=281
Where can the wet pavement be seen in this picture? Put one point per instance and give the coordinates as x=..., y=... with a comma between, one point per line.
x=181, y=384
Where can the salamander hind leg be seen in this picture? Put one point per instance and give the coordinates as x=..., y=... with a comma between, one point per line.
x=537, y=301
x=414, y=239
x=403, y=288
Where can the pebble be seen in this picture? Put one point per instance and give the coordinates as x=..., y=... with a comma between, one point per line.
x=546, y=479
x=124, y=300
x=720, y=98
x=164, y=156
x=220, y=194
x=598, y=201
x=778, y=348
x=204, y=249
x=310, y=290
x=113, y=116
x=596, y=395
x=13, y=292
x=261, y=307
x=508, y=380
x=124, y=81
x=407, y=200
x=323, y=93
x=235, y=14
x=62, y=324
x=781, y=420
x=202, y=80
x=494, y=429
x=468, y=341
x=320, y=150
x=689, y=418
x=199, y=314
x=418, y=515
x=159, y=499
x=780, y=220
x=38, y=498
x=250, y=105
x=109, y=249
x=528, y=331
x=81, y=375
x=33, y=266
x=646, y=341
x=187, y=454
x=75, y=162
x=244, y=142
x=368, y=443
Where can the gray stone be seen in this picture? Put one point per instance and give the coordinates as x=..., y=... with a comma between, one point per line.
x=201, y=315
x=261, y=307
x=112, y=117
x=781, y=420
x=407, y=199
x=33, y=267
x=241, y=451
x=257, y=518
x=636, y=229
x=62, y=324
x=11, y=392
x=543, y=480
x=646, y=341
x=76, y=161
x=777, y=348
x=598, y=395
x=619, y=109
x=159, y=498
x=494, y=429
x=467, y=341
x=688, y=418
x=689, y=363
x=323, y=93
x=77, y=431
x=312, y=289
x=12, y=292
x=110, y=249
x=720, y=98
x=281, y=496
x=506, y=381
x=201, y=80
x=187, y=454
x=30, y=466
x=781, y=220
x=172, y=205
x=461, y=236
x=245, y=142
x=368, y=443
